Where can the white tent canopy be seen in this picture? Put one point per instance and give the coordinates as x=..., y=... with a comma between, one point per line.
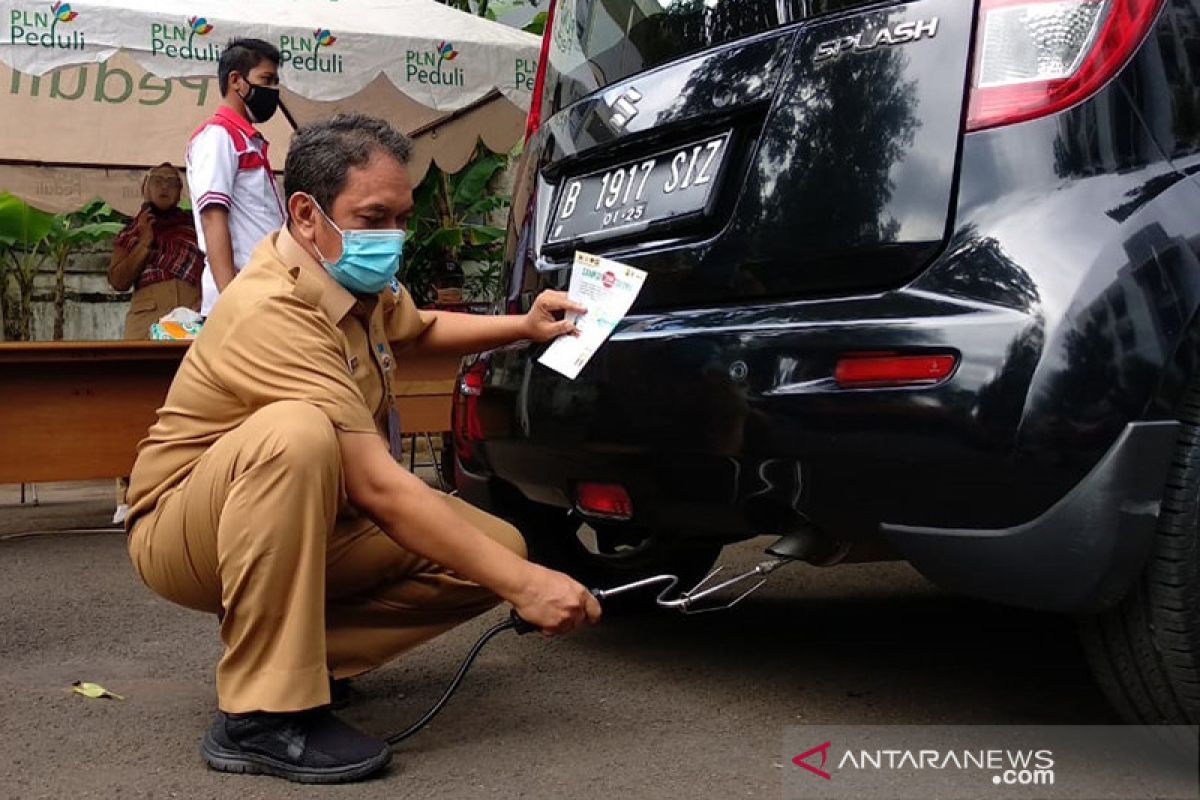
x=437, y=55
x=113, y=86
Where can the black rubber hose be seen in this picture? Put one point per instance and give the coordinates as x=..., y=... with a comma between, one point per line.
x=513, y=623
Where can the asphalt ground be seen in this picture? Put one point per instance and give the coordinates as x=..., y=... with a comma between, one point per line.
x=654, y=706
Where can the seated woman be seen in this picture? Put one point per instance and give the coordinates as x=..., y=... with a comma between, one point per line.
x=157, y=255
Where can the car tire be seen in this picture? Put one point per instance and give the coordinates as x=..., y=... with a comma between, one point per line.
x=1145, y=652
x=552, y=537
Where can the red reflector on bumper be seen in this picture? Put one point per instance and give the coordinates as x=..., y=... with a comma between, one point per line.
x=604, y=500
x=892, y=370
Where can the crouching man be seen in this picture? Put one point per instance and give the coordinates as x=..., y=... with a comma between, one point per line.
x=266, y=493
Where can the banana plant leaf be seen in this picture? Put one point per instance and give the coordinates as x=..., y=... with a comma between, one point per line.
x=471, y=184
x=20, y=224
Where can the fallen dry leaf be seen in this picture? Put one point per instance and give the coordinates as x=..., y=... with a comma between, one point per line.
x=94, y=690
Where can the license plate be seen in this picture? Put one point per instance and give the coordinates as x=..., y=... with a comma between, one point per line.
x=625, y=199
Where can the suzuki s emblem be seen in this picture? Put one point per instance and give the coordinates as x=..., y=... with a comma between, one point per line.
x=866, y=41
x=624, y=108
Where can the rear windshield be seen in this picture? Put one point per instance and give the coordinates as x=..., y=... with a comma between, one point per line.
x=598, y=42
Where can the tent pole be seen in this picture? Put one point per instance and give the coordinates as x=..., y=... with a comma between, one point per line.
x=287, y=114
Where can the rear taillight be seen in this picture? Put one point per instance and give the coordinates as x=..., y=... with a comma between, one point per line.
x=471, y=382
x=881, y=370
x=466, y=409
x=606, y=500
x=539, y=82
x=1037, y=57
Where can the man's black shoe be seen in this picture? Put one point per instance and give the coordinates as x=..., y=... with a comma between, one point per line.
x=341, y=693
x=305, y=747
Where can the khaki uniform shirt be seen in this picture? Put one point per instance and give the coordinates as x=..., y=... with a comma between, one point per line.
x=283, y=330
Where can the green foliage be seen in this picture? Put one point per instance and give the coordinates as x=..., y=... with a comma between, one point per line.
x=489, y=9
x=20, y=224
x=494, y=9
x=485, y=283
x=23, y=232
x=94, y=223
x=29, y=238
x=537, y=25
x=449, y=225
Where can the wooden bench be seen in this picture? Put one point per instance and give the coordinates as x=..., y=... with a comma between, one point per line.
x=76, y=410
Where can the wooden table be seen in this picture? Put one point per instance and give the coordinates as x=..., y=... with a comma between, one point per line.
x=76, y=410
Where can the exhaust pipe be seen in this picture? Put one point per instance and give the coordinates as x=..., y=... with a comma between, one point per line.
x=808, y=544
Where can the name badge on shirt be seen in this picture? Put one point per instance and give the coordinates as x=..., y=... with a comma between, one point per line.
x=384, y=356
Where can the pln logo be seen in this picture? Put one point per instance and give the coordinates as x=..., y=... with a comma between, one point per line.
x=179, y=41
x=304, y=54
x=200, y=26
x=525, y=74
x=39, y=29
x=63, y=13
x=426, y=68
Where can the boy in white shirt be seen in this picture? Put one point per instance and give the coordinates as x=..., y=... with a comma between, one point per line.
x=235, y=200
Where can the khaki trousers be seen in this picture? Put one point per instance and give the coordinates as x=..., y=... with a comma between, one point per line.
x=151, y=303
x=254, y=533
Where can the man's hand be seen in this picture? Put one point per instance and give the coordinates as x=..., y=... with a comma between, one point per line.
x=464, y=334
x=554, y=603
x=218, y=246
x=542, y=323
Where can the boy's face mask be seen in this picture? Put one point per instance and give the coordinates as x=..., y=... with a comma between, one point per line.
x=369, y=261
x=261, y=102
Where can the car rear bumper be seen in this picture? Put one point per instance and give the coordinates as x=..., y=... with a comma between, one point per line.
x=726, y=426
x=1082, y=554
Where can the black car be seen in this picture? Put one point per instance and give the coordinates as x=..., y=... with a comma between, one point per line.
x=923, y=284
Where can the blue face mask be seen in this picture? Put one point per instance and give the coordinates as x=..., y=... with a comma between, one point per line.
x=369, y=259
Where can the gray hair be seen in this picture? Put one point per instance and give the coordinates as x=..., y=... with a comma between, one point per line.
x=322, y=153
